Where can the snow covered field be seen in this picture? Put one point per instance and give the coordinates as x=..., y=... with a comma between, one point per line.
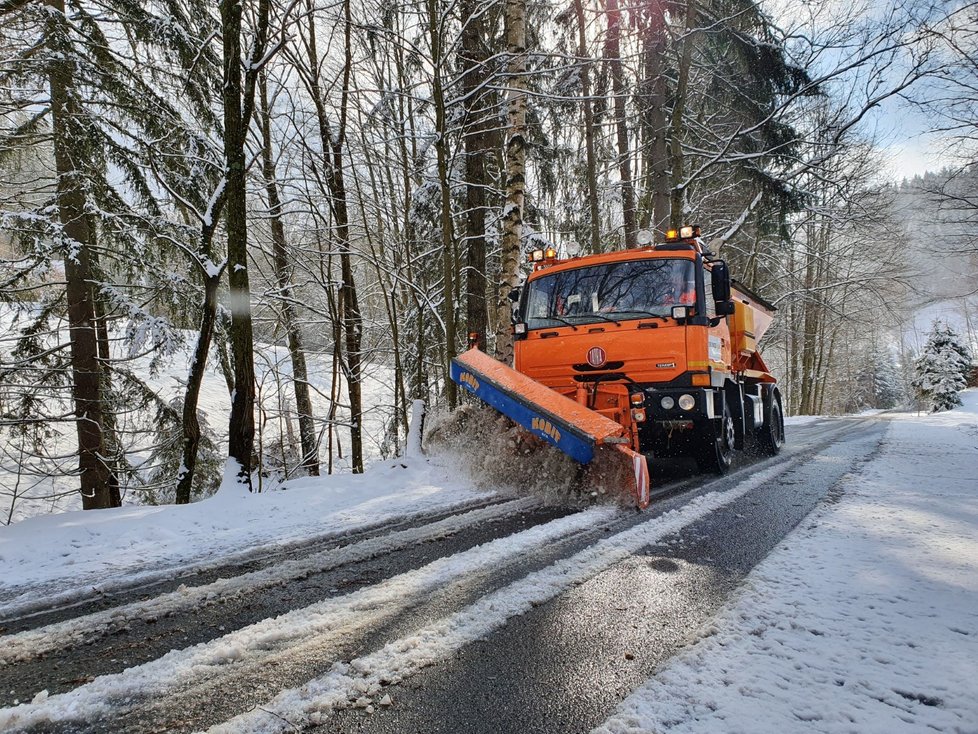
x=865, y=619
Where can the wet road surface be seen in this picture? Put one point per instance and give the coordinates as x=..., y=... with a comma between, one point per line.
x=564, y=666
x=561, y=667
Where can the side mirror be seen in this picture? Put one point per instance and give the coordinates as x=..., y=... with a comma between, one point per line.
x=721, y=283
x=725, y=308
x=514, y=298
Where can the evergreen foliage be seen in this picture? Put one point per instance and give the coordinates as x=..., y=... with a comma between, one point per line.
x=129, y=140
x=879, y=384
x=942, y=369
x=888, y=386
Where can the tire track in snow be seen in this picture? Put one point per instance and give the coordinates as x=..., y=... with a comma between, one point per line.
x=314, y=629
x=97, y=698
x=353, y=682
x=31, y=644
x=25, y=602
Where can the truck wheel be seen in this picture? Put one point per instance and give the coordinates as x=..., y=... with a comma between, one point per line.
x=771, y=434
x=717, y=444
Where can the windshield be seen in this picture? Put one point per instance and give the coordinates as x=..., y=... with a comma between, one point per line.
x=613, y=292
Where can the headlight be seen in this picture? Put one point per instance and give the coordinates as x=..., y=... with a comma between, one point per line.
x=687, y=402
x=667, y=403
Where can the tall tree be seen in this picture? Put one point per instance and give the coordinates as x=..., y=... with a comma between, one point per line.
x=237, y=115
x=587, y=118
x=477, y=103
x=69, y=149
x=654, y=92
x=333, y=163
x=620, y=103
x=512, y=220
x=286, y=292
x=439, y=62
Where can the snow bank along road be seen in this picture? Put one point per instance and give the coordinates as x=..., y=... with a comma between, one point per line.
x=507, y=616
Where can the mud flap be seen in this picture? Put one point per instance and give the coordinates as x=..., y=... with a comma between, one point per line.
x=640, y=476
x=552, y=417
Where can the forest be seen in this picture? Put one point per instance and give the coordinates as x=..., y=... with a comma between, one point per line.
x=259, y=230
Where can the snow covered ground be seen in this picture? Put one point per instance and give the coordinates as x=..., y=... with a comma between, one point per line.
x=31, y=486
x=66, y=555
x=865, y=619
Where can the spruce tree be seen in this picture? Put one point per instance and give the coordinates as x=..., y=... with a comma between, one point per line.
x=887, y=385
x=106, y=93
x=942, y=369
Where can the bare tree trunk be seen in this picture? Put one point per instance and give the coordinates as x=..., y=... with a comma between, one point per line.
x=352, y=320
x=85, y=367
x=591, y=160
x=477, y=149
x=241, y=425
x=280, y=258
x=110, y=437
x=191, y=397
x=613, y=53
x=242, y=421
x=656, y=211
x=333, y=156
x=515, y=175
x=447, y=225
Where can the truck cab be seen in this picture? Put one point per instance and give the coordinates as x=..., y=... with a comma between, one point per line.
x=658, y=339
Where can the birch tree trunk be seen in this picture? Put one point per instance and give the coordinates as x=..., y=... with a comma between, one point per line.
x=515, y=175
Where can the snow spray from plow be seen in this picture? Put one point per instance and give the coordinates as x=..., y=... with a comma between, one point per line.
x=569, y=426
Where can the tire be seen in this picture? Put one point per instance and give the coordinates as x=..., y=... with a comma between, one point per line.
x=770, y=436
x=717, y=444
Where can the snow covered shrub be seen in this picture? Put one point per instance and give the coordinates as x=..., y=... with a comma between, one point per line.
x=942, y=369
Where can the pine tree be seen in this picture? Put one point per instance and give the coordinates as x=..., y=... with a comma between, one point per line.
x=941, y=371
x=90, y=84
x=887, y=385
x=878, y=383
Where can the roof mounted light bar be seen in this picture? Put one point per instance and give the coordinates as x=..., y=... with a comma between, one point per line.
x=687, y=232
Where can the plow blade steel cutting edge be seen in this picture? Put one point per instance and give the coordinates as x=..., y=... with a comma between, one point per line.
x=558, y=420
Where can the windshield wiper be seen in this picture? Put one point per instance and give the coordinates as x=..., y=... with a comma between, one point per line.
x=563, y=321
x=645, y=313
x=603, y=318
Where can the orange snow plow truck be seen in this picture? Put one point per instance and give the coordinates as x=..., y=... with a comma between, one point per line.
x=646, y=352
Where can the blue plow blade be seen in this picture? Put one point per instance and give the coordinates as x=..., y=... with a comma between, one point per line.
x=534, y=418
